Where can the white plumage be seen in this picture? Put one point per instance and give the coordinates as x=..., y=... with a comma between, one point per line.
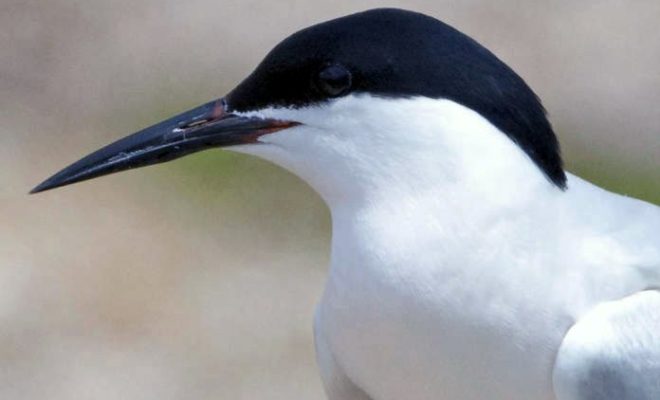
x=459, y=271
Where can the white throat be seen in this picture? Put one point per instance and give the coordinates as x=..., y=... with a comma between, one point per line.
x=361, y=149
x=447, y=241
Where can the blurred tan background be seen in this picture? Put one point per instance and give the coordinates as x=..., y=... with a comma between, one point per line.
x=197, y=279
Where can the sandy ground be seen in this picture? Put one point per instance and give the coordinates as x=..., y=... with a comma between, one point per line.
x=198, y=279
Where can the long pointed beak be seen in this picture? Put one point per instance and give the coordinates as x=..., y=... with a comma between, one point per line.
x=204, y=127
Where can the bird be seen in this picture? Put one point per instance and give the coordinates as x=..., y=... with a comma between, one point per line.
x=466, y=262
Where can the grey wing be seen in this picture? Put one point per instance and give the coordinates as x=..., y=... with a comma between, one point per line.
x=613, y=352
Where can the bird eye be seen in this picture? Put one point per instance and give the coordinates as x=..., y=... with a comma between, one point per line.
x=334, y=80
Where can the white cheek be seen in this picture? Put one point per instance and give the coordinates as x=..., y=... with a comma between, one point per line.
x=361, y=141
x=292, y=148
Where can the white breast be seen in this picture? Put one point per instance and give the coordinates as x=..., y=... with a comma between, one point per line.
x=457, y=268
x=415, y=309
x=418, y=321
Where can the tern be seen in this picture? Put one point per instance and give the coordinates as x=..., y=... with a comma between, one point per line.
x=466, y=264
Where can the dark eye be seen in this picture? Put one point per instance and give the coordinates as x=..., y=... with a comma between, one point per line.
x=334, y=80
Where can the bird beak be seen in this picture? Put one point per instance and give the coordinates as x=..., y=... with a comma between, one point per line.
x=204, y=127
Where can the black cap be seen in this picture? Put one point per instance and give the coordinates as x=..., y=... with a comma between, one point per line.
x=397, y=53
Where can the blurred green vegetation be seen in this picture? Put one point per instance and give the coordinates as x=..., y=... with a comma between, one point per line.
x=627, y=181
x=217, y=173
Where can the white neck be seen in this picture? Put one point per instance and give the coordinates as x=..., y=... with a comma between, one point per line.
x=361, y=150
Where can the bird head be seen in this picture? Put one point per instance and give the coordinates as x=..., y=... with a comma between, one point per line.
x=353, y=103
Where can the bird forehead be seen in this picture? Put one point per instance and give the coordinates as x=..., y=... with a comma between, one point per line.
x=380, y=61
x=365, y=40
